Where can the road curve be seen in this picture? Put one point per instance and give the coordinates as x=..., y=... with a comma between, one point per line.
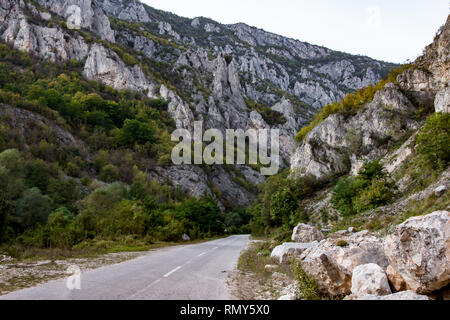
x=191, y=272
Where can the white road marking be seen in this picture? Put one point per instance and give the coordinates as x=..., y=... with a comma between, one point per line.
x=145, y=289
x=202, y=254
x=172, y=272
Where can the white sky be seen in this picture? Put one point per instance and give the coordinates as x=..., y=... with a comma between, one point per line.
x=390, y=30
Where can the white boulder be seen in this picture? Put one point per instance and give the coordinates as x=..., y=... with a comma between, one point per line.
x=404, y=295
x=304, y=233
x=370, y=279
x=289, y=293
x=332, y=262
x=419, y=250
x=283, y=253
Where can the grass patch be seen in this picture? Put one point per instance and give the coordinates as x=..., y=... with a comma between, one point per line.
x=427, y=206
x=306, y=287
x=255, y=258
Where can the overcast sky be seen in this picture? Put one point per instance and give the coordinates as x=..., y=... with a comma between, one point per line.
x=390, y=30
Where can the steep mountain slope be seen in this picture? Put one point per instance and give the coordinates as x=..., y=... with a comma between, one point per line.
x=373, y=159
x=363, y=213
x=228, y=76
x=357, y=133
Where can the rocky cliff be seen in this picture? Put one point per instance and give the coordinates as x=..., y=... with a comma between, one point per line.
x=340, y=144
x=229, y=76
x=400, y=245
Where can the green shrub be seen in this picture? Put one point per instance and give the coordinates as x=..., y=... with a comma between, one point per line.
x=13, y=161
x=270, y=116
x=31, y=209
x=371, y=189
x=60, y=229
x=342, y=243
x=433, y=142
x=73, y=170
x=101, y=160
x=133, y=132
x=379, y=193
x=109, y=173
x=126, y=218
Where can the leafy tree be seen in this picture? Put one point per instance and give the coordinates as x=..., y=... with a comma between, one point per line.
x=133, y=132
x=12, y=160
x=31, y=209
x=282, y=205
x=64, y=192
x=203, y=213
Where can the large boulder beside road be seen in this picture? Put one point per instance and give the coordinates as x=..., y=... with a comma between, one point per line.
x=332, y=262
x=304, y=233
x=419, y=251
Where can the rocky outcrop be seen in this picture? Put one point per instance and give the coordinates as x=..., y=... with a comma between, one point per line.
x=440, y=191
x=178, y=109
x=304, y=233
x=437, y=55
x=419, y=250
x=47, y=42
x=283, y=253
x=442, y=100
x=127, y=10
x=332, y=262
x=405, y=295
x=340, y=144
x=370, y=279
x=84, y=14
x=106, y=66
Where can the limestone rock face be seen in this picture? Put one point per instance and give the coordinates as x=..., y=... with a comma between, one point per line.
x=283, y=253
x=106, y=66
x=289, y=293
x=179, y=111
x=404, y=295
x=47, y=42
x=332, y=262
x=127, y=10
x=304, y=233
x=82, y=13
x=442, y=100
x=324, y=152
x=419, y=250
x=339, y=145
x=370, y=279
x=437, y=56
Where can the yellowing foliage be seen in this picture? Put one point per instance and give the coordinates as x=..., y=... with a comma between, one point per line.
x=351, y=103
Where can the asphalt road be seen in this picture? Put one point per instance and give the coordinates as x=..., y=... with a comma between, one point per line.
x=191, y=272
